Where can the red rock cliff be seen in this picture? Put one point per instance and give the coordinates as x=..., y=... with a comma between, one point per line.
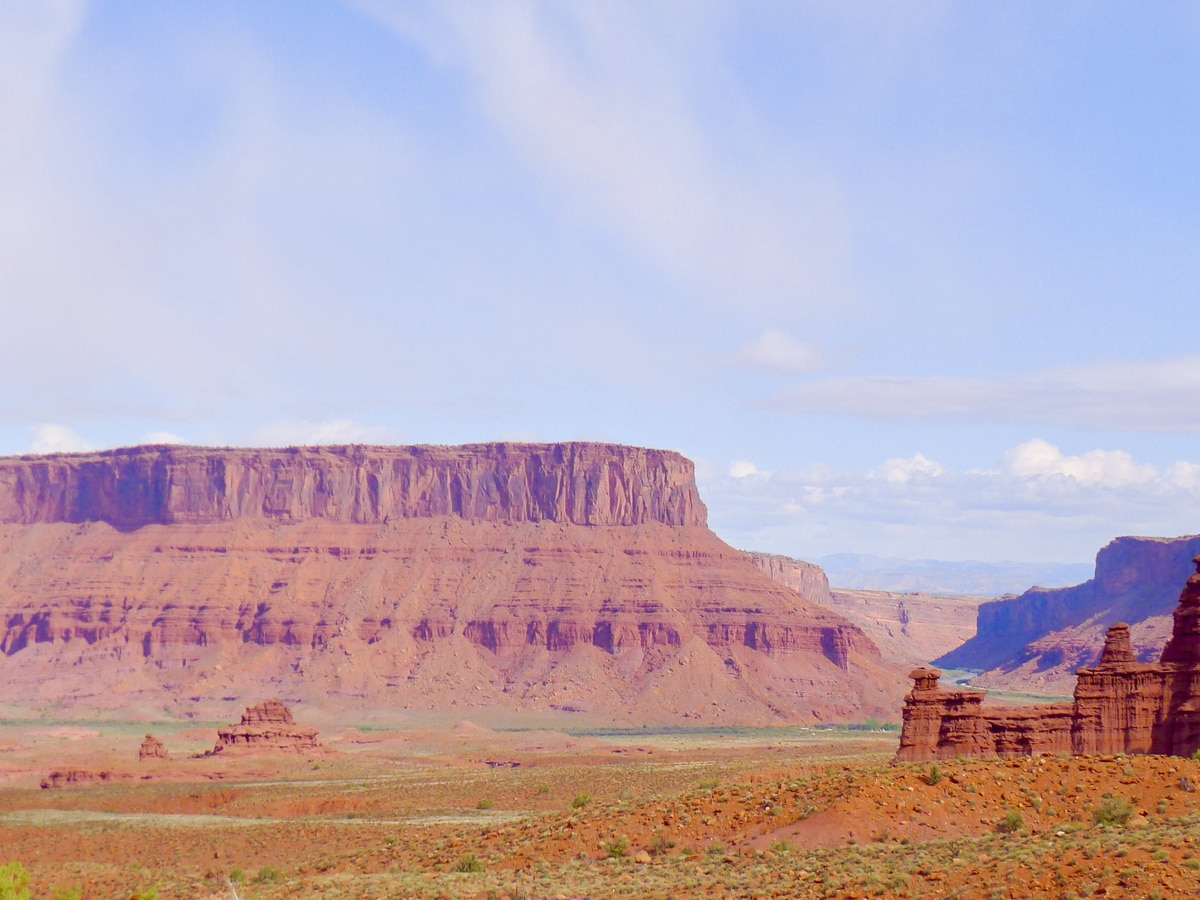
x=577, y=483
x=576, y=577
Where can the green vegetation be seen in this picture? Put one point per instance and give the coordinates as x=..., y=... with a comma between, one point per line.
x=468, y=863
x=617, y=848
x=934, y=775
x=267, y=874
x=485, y=804
x=14, y=882
x=1112, y=811
x=580, y=801
x=1011, y=823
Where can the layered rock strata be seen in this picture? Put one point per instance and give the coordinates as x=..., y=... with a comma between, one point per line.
x=908, y=628
x=268, y=728
x=1121, y=705
x=525, y=577
x=1036, y=641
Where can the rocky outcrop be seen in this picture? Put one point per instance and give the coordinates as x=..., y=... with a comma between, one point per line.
x=804, y=578
x=579, y=483
x=1121, y=705
x=63, y=778
x=151, y=748
x=1036, y=641
x=268, y=728
x=535, y=578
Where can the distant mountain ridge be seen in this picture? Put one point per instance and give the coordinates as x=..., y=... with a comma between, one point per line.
x=854, y=571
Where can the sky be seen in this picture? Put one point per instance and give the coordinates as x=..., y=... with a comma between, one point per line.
x=909, y=279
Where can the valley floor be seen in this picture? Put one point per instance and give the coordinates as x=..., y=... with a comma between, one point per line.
x=472, y=813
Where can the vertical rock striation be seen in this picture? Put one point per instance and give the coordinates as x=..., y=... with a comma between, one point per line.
x=1121, y=705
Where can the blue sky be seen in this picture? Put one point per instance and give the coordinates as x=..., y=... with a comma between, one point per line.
x=912, y=279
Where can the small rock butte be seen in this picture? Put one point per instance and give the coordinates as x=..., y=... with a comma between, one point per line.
x=268, y=728
x=1121, y=705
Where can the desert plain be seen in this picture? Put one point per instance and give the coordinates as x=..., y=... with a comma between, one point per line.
x=441, y=809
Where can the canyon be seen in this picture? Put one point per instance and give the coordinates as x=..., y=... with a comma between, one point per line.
x=1034, y=642
x=575, y=579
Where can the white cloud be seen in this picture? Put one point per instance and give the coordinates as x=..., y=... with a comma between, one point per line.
x=1123, y=395
x=50, y=438
x=161, y=437
x=1107, y=468
x=901, y=471
x=743, y=468
x=776, y=351
x=335, y=431
x=1036, y=504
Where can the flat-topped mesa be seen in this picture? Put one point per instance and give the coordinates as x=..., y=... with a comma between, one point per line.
x=267, y=728
x=1120, y=706
x=575, y=483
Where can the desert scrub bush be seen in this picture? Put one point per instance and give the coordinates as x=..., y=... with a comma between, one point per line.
x=1112, y=811
x=616, y=848
x=659, y=844
x=716, y=848
x=485, y=804
x=1011, y=823
x=267, y=874
x=68, y=894
x=581, y=800
x=14, y=882
x=468, y=863
x=710, y=784
x=934, y=776
x=781, y=847
x=237, y=876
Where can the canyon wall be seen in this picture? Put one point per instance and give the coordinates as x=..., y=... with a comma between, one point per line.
x=1121, y=705
x=908, y=628
x=577, y=578
x=1036, y=641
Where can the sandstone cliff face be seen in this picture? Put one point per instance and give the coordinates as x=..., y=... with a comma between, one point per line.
x=583, y=484
x=267, y=728
x=607, y=596
x=1036, y=641
x=908, y=628
x=1121, y=705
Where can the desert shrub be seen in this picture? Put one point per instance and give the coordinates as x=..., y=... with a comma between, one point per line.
x=267, y=874
x=710, y=784
x=468, y=863
x=68, y=894
x=716, y=848
x=1011, y=823
x=781, y=847
x=14, y=882
x=616, y=848
x=1112, y=811
x=934, y=776
x=237, y=876
x=581, y=800
x=1196, y=754
x=485, y=804
x=1186, y=784
x=659, y=844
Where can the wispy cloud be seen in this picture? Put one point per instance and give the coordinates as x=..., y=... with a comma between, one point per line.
x=1122, y=395
x=602, y=102
x=776, y=351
